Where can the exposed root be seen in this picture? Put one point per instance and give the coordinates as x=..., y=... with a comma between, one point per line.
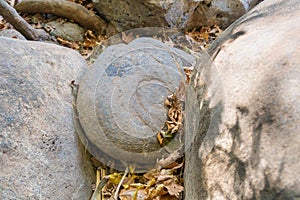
x=66, y=9
x=11, y=15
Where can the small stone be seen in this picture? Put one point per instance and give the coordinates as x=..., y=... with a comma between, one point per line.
x=66, y=30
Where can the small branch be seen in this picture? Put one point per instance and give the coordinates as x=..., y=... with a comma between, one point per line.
x=65, y=9
x=120, y=184
x=99, y=188
x=11, y=15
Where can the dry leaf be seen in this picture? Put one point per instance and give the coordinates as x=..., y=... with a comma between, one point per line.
x=150, y=174
x=173, y=188
x=174, y=166
x=172, y=157
x=167, y=103
x=115, y=178
x=127, y=38
x=175, y=129
x=159, y=190
x=160, y=138
x=170, y=125
x=132, y=193
x=205, y=35
x=151, y=182
x=168, y=197
x=188, y=73
x=163, y=177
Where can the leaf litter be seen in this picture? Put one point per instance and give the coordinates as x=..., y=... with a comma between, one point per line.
x=155, y=184
x=165, y=182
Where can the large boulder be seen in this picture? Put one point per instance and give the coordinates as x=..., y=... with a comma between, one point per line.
x=128, y=14
x=120, y=102
x=215, y=12
x=243, y=110
x=40, y=154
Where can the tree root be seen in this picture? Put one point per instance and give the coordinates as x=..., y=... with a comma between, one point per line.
x=11, y=15
x=68, y=10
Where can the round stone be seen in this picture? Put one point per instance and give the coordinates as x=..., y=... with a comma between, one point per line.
x=120, y=101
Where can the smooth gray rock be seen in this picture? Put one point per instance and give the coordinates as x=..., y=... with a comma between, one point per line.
x=40, y=153
x=66, y=30
x=245, y=126
x=12, y=33
x=120, y=102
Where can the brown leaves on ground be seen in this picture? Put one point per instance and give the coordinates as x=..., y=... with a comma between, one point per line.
x=205, y=35
x=174, y=122
x=38, y=21
x=157, y=184
x=4, y=24
x=174, y=114
x=85, y=48
x=188, y=73
x=174, y=104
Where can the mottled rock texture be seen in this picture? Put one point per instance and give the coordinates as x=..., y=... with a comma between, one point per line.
x=40, y=155
x=128, y=14
x=66, y=30
x=245, y=120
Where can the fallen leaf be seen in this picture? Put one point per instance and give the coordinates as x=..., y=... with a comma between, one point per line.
x=115, y=178
x=173, y=188
x=170, y=125
x=150, y=174
x=160, y=138
x=188, y=73
x=163, y=177
x=132, y=193
x=168, y=197
x=175, y=129
x=159, y=190
x=127, y=38
x=167, y=103
x=174, y=166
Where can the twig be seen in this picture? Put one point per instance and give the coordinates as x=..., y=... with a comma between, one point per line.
x=11, y=15
x=119, y=185
x=99, y=188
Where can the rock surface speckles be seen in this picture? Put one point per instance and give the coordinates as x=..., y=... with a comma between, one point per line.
x=40, y=155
